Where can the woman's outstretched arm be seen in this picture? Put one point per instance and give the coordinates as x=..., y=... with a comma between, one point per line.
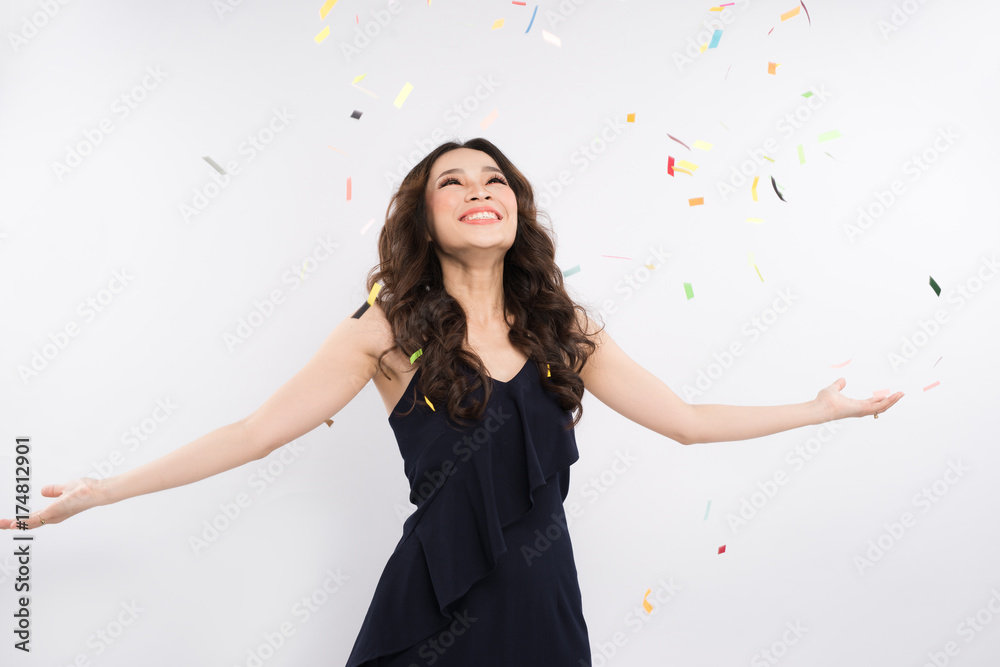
x=341, y=367
x=632, y=391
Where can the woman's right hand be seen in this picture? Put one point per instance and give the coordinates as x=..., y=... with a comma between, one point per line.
x=72, y=497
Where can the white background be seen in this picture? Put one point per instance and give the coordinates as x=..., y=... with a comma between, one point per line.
x=893, y=79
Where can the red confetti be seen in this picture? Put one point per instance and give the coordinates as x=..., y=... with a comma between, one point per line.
x=670, y=165
x=722, y=549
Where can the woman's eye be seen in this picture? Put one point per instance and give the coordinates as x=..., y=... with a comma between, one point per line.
x=455, y=180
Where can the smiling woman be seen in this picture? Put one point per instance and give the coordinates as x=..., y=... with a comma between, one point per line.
x=481, y=358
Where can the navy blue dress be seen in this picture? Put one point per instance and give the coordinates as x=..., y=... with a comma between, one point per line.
x=484, y=572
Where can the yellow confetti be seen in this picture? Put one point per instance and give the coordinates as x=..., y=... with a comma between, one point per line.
x=758, y=273
x=749, y=259
x=548, y=370
x=322, y=35
x=753, y=188
x=497, y=24
x=703, y=47
x=359, y=77
x=429, y=403
x=650, y=267
x=684, y=164
x=676, y=168
x=403, y=94
x=631, y=118
x=645, y=605
x=325, y=9
x=755, y=219
x=703, y=145
x=790, y=13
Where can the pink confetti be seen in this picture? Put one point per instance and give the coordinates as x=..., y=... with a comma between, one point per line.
x=616, y=257
x=880, y=394
x=678, y=141
x=670, y=165
x=931, y=386
x=348, y=188
x=841, y=365
x=807, y=12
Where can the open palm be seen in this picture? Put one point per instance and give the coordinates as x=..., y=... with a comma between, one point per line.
x=72, y=498
x=838, y=406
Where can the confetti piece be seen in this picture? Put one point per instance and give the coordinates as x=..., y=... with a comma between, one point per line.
x=683, y=171
x=703, y=47
x=772, y=66
x=827, y=136
x=931, y=386
x=707, y=507
x=403, y=94
x=753, y=188
x=532, y=19
x=715, y=9
x=723, y=124
x=416, y=355
x=703, y=145
x=615, y=257
x=841, y=365
x=722, y=549
x=758, y=273
x=359, y=77
x=769, y=32
x=322, y=35
x=215, y=165
x=808, y=93
x=936, y=362
x=749, y=259
x=790, y=13
x=807, y=11
x=880, y=394
x=688, y=291
x=670, y=165
x=650, y=267
x=767, y=158
x=550, y=38
x=569, y=272
x=630, y=118
x=696, y=201
x=497, y=24
x=367, y=225
x=364, y=90
x=548, y=371
x=716, y=36
x=328, y=422
x=338, y=150
x=371, y=299
x=428, y=401
x=523, y=4
x=802, y=155
x=348, y=188
x=726, y=77
x=758, y=220
x=325, y=9
x=679, y=141
x=934, y=286
x=684, y=164
x=776, y=191
x=645, y=605
x=486, y=122
x=356, y=114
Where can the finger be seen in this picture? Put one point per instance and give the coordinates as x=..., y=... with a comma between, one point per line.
x=53, y=490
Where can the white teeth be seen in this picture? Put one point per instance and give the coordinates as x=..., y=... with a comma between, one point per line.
x=482, y=216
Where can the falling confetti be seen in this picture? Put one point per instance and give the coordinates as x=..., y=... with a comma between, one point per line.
x=776, y=191
x=827, y=136
x=807, y=11
x=790, y=13
x=532, y=19
x=722, y=549
x=932, y=385
x=348, y=188
x=322, y=35
x=934, y=286
x=497, y=24
x=688, y=291
x=936, y=362
x=678, y=141
x=367, y=225
x=486, y=122
x=569, y=272
x=215, y=165
x=684, y=164
x=757, y=220
x=841, y=365
x=670, y=165
x=707, y=507
x=703, y=145
x=753, y=188
x=645, y=605
x=630, y=118
x=802, y=155
x=772, y=66
x=403, y=94
x=696, y=201
x=325, y=9
x=716, y=36
x=356, y=115
x=550, y=38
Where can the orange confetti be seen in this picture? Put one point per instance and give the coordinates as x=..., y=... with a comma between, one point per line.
x=348, y=188
x=790, y=13
x=771, y=67
x=696, y=201
x=631, y=118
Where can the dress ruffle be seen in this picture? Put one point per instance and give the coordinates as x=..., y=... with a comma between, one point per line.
x=455, y=536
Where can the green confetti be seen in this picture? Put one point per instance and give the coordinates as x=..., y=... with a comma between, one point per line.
x=413, y=357
x=767, y=158
x=807, y=94
x=802, y=155
x=688, y=291
x=934, y=286
x=827, y=136
x=569, y=272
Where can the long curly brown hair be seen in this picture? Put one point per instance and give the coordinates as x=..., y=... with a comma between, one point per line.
x=423, y=316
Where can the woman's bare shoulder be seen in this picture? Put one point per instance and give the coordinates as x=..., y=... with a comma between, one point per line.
x=381, y=338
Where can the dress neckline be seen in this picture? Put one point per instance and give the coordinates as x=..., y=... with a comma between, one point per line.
x=413, y=377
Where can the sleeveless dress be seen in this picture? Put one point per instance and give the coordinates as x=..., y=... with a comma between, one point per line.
x=484, y=572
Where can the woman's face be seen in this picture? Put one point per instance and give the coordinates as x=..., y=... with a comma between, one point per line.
x=463, y=180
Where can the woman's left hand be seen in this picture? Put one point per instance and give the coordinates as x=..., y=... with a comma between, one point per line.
x=837, y=406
